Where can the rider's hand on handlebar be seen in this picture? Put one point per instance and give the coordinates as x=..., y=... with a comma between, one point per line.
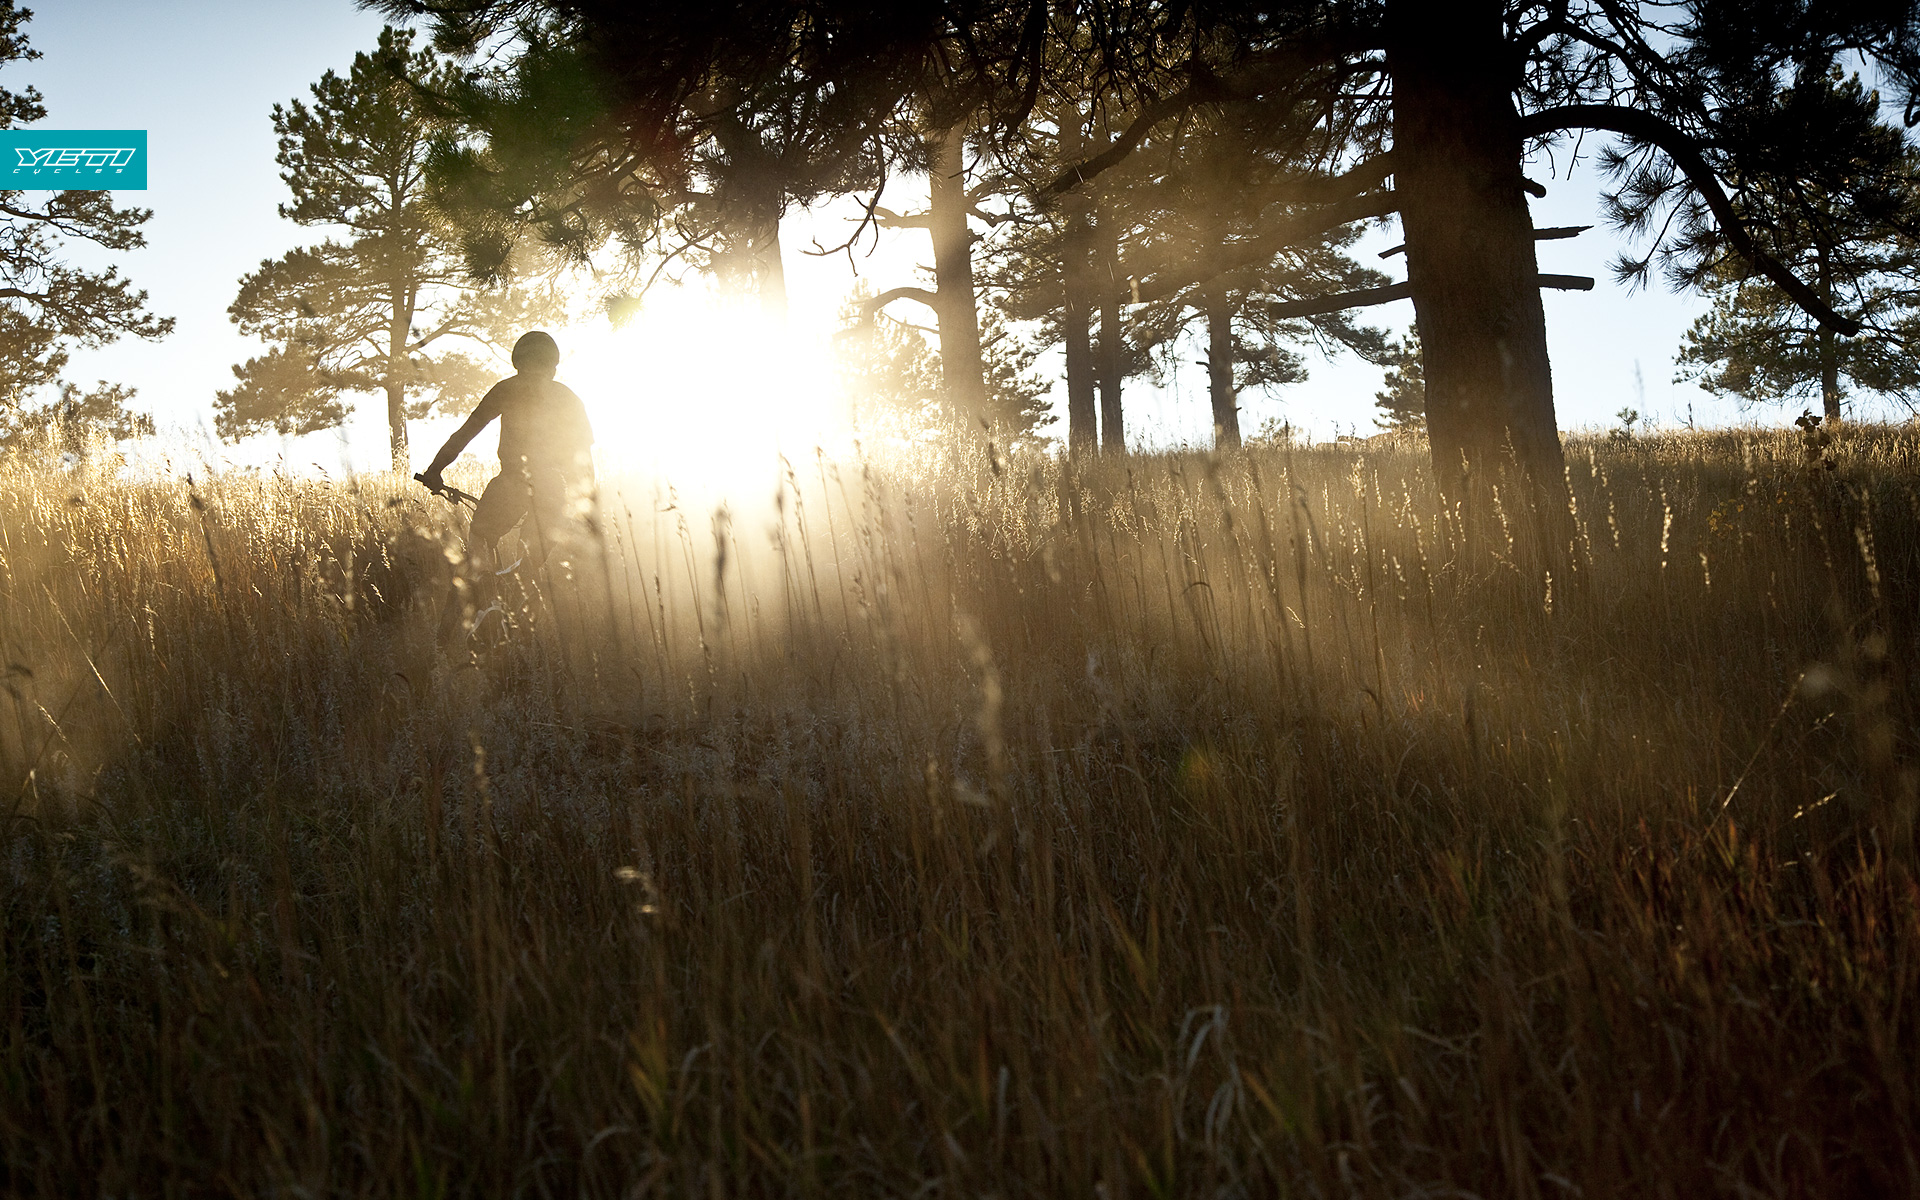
x=433, y=481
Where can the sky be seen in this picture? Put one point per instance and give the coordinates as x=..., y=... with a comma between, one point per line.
x=202, y=78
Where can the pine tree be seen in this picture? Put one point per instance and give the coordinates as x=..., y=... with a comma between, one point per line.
x=1850, y=229
x=1220, y=183
x=1402, y=399
x=895, y=385
x=1448, y=101
x=378, y=311
x=48, y=307
x=888, y=375
x=954, y=297
x=1016, y=397
x=78, y=422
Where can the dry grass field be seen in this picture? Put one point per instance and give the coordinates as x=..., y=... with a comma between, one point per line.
x=1165, y=827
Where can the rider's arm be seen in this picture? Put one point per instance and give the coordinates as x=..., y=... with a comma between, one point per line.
x=483, y=413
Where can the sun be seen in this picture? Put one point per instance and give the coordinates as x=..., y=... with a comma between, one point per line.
x=706, y=393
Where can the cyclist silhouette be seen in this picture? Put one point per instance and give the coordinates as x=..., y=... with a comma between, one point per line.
x=546, y=453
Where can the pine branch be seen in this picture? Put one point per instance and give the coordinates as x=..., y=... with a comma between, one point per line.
x=1276, y=238
x=875, y=304
x=1685, y=153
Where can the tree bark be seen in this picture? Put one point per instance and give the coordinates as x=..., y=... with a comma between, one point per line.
x=770, y=270
x=1470, y=252
x=749, y=254
x=397, y=427
x=1829, y=347
x=961, y=364
x=1226, y=412
x=1113, y=428
x=399, y=325
x=1083, y=432
x=1829, y=376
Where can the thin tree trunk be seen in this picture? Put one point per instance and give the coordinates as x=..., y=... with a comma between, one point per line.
x=1470, y=254
x=397, y=426
x=1829, y=348
x=1113, y=429
x=747, y=261
x=399, y=325
x=770, y=270
x=749, y=255
x=1830, y=375
x=1083, y=432
x=1226, y=412
x=961, y=364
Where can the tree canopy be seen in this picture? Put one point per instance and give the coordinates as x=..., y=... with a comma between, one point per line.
x=1391, y=109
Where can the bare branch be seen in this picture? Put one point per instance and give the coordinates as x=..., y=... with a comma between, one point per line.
x=876, y=303
x=886, y=218
x=867, y=218
x=1368, y=297
x=1339, y=301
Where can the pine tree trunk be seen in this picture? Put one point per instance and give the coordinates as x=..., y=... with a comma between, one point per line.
x=397, y=427
x=1470, y=253
x=749, y=253
x=1113, y=428
x=1083, y=434
x=399, y=325
x=1829, y=349
x=1226, y=412
x=961, y=364
x=770, y=270
x=1829, y=376
x=1083, y=431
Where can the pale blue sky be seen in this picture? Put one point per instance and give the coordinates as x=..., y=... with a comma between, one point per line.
x=201, y=78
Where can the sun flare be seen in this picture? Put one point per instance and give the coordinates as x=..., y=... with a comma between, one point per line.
x=706, y=393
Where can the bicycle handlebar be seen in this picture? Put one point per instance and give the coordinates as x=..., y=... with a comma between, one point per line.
x=448, y=491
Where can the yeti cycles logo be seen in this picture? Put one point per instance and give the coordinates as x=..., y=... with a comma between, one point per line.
x=96, y=159
x=73, y=159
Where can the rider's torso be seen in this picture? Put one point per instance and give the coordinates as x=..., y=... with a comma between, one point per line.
x=543, y=425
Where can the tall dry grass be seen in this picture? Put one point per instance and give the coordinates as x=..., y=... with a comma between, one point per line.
x=1172, y=826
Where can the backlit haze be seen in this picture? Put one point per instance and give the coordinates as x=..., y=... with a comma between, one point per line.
x=694, y=386
x=707, y=391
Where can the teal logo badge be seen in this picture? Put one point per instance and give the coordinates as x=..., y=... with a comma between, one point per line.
x=81, y=160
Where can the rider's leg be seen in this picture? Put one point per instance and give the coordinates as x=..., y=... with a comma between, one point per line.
x=502, y=504
x=551, y=523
